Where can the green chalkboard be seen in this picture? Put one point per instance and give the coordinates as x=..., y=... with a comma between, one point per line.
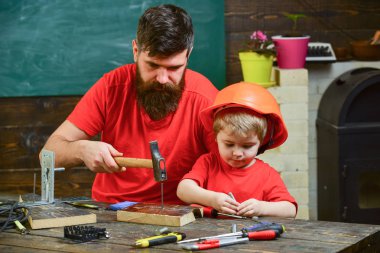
x=61, y=47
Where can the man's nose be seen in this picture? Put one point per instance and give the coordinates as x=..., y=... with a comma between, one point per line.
x=162, y=75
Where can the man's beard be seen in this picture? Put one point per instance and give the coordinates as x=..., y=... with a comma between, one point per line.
x=158, y=100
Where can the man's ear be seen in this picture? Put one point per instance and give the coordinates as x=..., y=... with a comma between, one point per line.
x=135, y=50
x=188, y=54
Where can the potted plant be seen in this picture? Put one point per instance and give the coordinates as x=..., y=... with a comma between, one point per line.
x=292, y=47
x=257, y=59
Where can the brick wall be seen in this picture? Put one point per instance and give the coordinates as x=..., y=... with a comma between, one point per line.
x=291, y=159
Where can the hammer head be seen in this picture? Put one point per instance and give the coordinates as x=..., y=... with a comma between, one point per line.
x=159, y=167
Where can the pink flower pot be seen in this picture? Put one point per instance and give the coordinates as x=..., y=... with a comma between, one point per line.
x=291, y=51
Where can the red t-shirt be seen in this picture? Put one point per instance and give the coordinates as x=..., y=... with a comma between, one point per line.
x=110, y=108
x=259, y=181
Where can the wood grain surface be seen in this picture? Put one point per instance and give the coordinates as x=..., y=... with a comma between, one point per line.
x=300, y=236
x=58, y=215
x=146, y=213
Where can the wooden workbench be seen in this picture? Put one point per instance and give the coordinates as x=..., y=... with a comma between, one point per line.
x=301, y=236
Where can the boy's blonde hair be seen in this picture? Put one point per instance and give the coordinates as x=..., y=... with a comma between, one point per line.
x=240, y=122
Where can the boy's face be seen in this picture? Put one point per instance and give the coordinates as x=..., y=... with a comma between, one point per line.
x=237, y=151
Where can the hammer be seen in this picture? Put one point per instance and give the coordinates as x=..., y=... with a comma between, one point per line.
x=157, y=163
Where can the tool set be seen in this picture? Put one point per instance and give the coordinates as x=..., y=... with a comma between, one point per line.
x=259, y=231
x=84, y=233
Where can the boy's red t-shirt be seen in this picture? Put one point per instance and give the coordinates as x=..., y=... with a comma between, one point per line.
x=259, y=181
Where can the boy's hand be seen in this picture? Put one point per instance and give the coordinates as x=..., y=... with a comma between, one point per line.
x=224, y=203
x=250, y=207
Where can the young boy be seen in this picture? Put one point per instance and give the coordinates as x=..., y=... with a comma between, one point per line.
x=246, y=121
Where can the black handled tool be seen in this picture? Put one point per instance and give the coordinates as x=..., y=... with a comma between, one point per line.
x=160, y=239
x=264, y=225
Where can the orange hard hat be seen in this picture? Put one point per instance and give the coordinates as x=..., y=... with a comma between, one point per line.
x=256, y=98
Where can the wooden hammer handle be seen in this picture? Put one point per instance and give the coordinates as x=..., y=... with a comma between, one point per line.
x=134, y=162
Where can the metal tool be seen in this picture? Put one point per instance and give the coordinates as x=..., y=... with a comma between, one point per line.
x=212, y=244
x=228, y=239
x=264, y=225
x=47, y=180
x=160, y=239
x=47, y=176
x=85, y=233
x=260, y=231
x=256, y=235
x=254, y=218
x=213, y=213
x=161, y=231
x=157, y=163
x=233, y=228
x=209, y=237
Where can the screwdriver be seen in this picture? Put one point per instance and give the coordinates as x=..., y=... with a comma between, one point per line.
x=81, y=204
x=213, y=213
x=160, y=239
x=239, y=237
x=264, y=225
x=241, y=217
x=214, y=243
x=256, y=235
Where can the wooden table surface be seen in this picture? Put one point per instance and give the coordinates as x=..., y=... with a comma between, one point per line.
x=300, y=236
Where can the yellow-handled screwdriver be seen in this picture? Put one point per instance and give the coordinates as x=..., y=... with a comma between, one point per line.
x=160, y=239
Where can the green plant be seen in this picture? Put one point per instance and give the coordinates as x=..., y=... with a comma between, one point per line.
x=294, y=18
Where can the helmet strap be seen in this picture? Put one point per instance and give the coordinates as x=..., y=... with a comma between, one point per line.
x=270, y=141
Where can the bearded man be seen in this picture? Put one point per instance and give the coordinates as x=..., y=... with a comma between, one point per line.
x=155, y=98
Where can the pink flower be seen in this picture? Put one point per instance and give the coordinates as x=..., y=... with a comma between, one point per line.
x=260, y=44
x=259, y=35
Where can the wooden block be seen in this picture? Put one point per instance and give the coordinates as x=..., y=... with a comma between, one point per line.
x=58, y=215
x=147, y=213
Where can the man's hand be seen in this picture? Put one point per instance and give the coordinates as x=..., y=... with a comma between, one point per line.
x=72, y=147
x=99, y=157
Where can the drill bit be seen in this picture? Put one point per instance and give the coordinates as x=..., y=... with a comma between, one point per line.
x=162, y=195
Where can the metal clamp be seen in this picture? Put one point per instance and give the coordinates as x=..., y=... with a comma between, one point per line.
x=47, y=175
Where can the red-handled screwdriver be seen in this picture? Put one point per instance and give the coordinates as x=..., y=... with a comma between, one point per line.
x=261, y=235
x=215, y=243
x=238, y=238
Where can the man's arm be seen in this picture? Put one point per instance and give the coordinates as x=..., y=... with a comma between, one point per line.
x=73, y=147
